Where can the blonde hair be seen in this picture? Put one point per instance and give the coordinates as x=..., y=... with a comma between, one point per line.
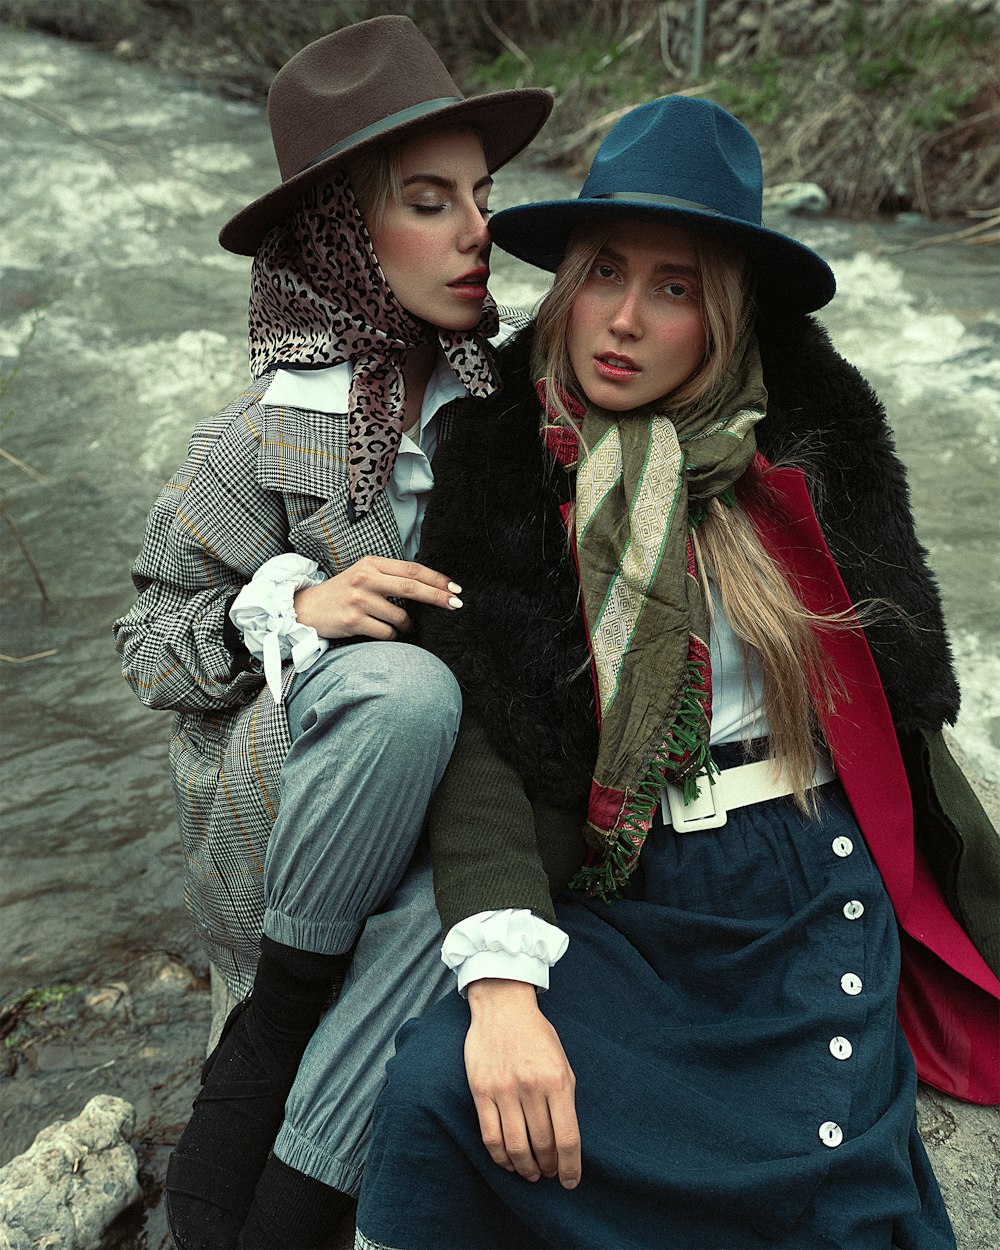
x=760, y=604
x=376, y=181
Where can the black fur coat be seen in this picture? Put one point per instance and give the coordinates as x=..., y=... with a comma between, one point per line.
x=518, y=646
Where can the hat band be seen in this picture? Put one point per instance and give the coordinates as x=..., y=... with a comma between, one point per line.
x=640, y=197
x=384, y=124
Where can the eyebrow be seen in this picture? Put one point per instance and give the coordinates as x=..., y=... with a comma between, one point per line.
x=446, y=184
x=666, y=266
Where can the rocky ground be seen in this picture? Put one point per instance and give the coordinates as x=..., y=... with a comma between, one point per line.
x=143, y=1040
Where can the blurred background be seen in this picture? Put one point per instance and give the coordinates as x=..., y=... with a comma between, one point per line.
x=130, y=130
x=894, y=102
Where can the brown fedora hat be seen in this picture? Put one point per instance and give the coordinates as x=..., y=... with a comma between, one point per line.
x=352, y=90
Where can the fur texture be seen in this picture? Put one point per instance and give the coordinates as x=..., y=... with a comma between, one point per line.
x=518, y=646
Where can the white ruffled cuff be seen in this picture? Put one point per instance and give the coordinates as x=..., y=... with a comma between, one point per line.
x=264, y=613
x=513, y=944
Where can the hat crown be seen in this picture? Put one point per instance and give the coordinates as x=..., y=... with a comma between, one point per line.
x=349, y=82
x=681, y=149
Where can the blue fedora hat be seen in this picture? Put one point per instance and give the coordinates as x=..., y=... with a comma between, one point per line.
x=689, y=163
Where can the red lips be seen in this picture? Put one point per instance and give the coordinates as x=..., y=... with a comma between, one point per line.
x=471, y=285
x=475, y=277
x=615, y=366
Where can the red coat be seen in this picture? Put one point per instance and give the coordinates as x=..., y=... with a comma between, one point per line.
x=948, y=997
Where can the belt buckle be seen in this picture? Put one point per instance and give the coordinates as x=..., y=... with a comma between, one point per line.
x=705, y=812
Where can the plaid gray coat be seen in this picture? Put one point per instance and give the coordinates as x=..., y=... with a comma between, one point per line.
x=258, y=481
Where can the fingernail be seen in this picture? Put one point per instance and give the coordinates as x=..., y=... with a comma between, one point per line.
x=453, y=602
x=454, y=588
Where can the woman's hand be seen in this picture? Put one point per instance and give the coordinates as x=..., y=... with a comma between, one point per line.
x=522, y=1084
x=357, y=602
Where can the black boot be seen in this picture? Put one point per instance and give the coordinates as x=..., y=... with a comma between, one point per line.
x=214, y=1168
x=292, y=1209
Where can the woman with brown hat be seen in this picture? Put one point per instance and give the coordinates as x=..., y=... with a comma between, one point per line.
x=675, y=722
x=270, y=616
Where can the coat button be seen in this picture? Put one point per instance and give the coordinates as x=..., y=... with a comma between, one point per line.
x=841, y=1048
x=831, y=1134
x=842, y=847
x=854, y=909
x=850, y=983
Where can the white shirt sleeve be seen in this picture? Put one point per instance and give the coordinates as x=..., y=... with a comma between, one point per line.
x=512, y=944
x=264, y=613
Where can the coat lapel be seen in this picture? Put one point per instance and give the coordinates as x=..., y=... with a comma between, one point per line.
x=859, y=732
x=302, y=452
x=863, y=741
x=304, y=456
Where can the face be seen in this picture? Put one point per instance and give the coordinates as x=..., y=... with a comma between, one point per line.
x=433, y=246
x=635, y=330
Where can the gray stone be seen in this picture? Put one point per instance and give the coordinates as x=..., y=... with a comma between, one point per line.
x=963, y=1143
x=795, y=197
x=76, y=1177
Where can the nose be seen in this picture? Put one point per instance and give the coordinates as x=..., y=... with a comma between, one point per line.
x=475, y=232
x=625, y=320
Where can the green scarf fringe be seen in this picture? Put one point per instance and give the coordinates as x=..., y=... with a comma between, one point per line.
x=682, y=740
x=698, y=513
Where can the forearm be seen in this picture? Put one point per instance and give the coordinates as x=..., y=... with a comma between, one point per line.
x=177, y=652
x=482, y=833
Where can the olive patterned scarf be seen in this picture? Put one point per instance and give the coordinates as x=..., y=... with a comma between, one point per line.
x=642, y=484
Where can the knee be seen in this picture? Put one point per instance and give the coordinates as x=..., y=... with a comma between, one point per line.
x=398, y=688
x=415, y=691
x=425, y=688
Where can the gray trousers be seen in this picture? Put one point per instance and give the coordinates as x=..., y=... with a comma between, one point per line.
x=373, y=726
x=395, y=975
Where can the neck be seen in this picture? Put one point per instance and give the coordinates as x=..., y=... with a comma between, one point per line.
x=417, y=371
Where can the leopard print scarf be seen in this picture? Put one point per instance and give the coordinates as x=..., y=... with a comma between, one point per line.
x=318, y=297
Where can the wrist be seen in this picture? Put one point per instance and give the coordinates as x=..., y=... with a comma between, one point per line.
x=300, y=606
x=495, y=995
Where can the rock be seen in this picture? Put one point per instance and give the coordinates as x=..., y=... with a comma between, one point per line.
x=77, y=1177
x=113, y=999
x=963, y=1143
x=795, y=197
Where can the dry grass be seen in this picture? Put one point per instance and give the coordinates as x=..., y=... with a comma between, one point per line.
x=889, y=107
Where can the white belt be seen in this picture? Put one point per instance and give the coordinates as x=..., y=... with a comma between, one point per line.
x=732, y=788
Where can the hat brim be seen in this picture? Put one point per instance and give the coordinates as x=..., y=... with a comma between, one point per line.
x=790, y=276
x=507, y=121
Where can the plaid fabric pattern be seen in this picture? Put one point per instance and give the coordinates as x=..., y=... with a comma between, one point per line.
x=258, y=481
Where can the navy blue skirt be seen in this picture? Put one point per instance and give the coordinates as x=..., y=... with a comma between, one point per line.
x=742, y=1080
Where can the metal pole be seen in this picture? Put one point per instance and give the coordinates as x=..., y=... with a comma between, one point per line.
x=699, y=39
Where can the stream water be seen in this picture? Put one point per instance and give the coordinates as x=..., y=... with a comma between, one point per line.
x=122, y=325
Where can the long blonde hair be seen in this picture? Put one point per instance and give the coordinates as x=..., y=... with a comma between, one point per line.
x=760, y=604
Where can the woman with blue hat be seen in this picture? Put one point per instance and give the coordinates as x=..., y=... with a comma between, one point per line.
x=683, y=850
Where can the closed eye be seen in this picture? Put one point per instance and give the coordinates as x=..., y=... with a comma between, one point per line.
x=429, y=210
